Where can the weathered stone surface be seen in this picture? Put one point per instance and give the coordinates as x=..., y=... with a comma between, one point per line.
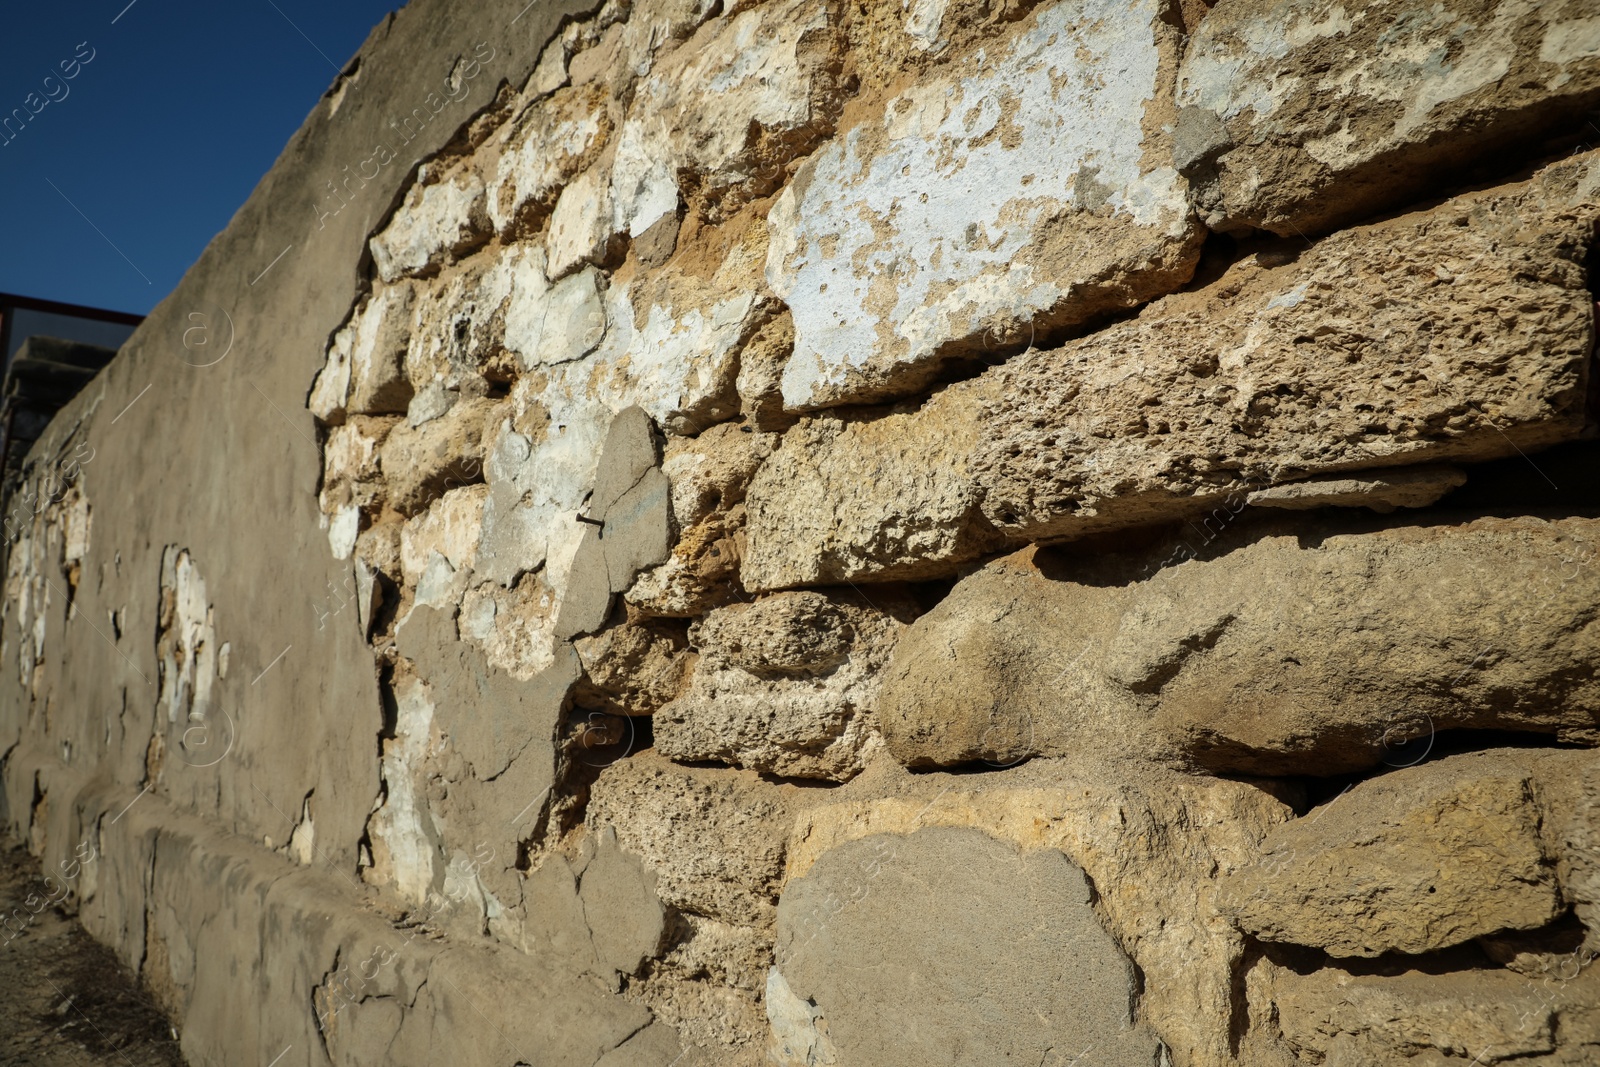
x=1418, y=860
x=786, y=685
x=580, y=224
x=1297, y=117
x=1422, y=1018
x=633, y=668
x=799, y=1032
x=1382, y=346
x=550, y=145
x=449, y=528
x=1017, y=186
x=1276, y=653
x=1151, y=842
x=442, y=217
x=1415, y=487
x=421, y=463
x=720, y=116
x=714, y=838
x=625, y=918
x=710, y=475
x=961, y=951
x=851, y=498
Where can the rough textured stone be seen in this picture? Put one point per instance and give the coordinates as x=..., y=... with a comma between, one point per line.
x=633, y=668
x=786, y=685
x=1420, y=1018
x=714, y=838
x=725, y=112
x=421, y=463
x=709, y=475
x=1416, y=487
x=1381, y=346
x=440, y=218
x=1275, y=653
x=1018, y=186
x=1418, y=860
x=1297, y=117
x=542, y=153
x=956, y=949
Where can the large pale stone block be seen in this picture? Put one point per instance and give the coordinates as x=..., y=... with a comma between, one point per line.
x=1460, y=333
x=1297, y=116
x=1027, y=186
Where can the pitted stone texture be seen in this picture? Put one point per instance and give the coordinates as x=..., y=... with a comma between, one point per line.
x=1381, y=346
x=1417, y=1017
x=1297, y=117
x=1383, y=492
x=848, y=498
x=439, y=220
x=714, y=838
x=961, y=951
x=1418, y=860
x=786, y=685
x=352, y=475
x=1283, y=651
x=552, y=143
x=1152, y=843
x=1017, y=187
x=632, y=668
x=716, y=119
x=709, y=475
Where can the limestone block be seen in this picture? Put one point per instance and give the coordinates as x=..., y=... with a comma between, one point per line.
x=625, y=918
x=1152, y=843
x=580, y=223
x=449, y=528
x=1383, y=492
x=961, y=951
x=1296, y=117
x=379, y=336
x=438, y=220
x=1277, y=653
x=351, y=472
x=848, y=498
x=632, y=668
x=726, y=111
x=552, y=143
x=709, y=475
x=406, y=849
x=1417, y=1017
x=422, y=463
x=1378, y=347
x=714, y=838
x=1414, y=861
x=1019, y=185
x=786, y=685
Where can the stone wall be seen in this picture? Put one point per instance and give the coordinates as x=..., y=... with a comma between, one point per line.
x=872, y=533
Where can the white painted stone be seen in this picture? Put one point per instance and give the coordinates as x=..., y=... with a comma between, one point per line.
x=1018, y=185
x=449, y=528
x=405, y=841
x=343, y=530
x=923, y=19
x=581, y=224
x=557, y=139
x=696, y=109
x=432, y=223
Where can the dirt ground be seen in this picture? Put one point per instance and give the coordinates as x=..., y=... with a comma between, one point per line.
x=65, y=1001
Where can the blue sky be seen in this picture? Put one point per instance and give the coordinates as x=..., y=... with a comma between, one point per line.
x=112, y=189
